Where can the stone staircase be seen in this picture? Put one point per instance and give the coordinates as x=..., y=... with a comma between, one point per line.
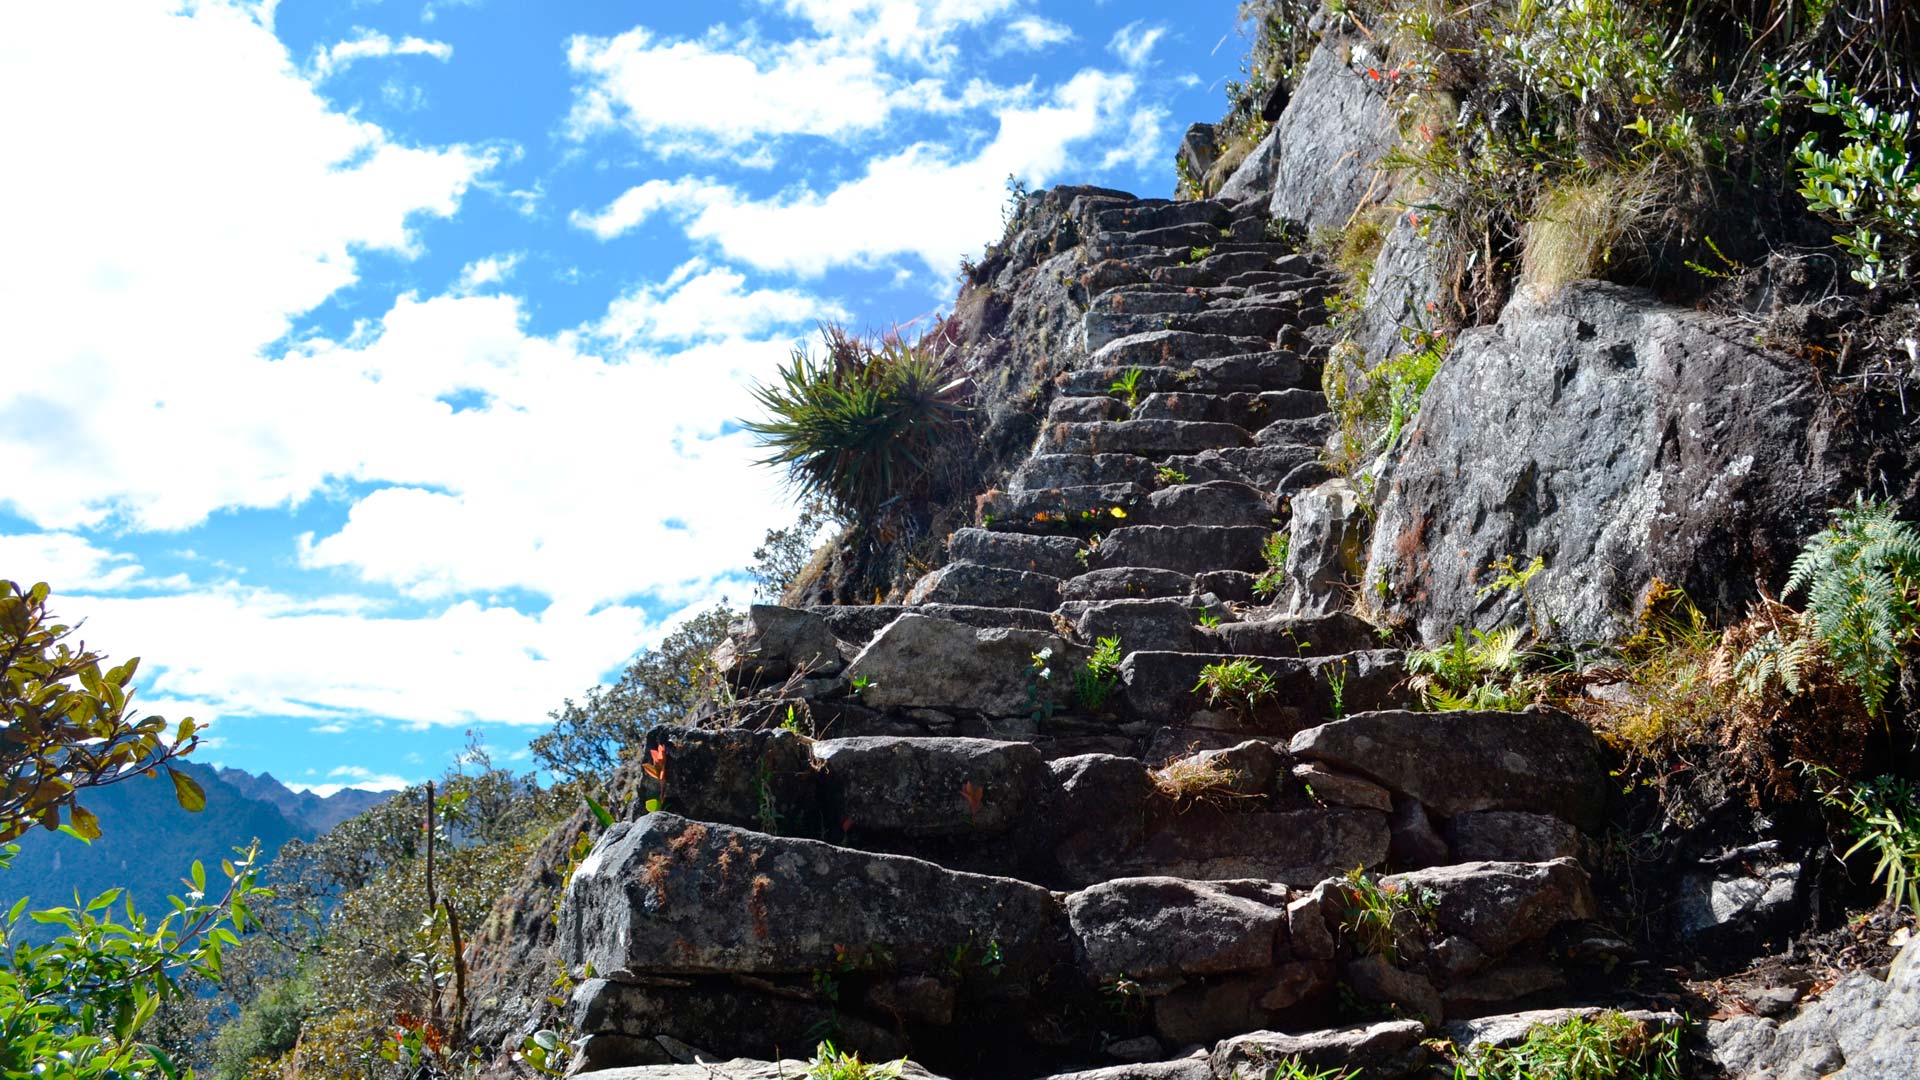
x=926, y=829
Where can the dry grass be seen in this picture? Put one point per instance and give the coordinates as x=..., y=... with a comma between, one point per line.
x=1590, y=227
x=1196, y=779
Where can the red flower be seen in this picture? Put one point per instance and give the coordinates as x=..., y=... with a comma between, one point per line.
x=1374, y=74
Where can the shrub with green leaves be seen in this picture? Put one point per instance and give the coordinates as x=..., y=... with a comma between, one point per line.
x=1274, y=553
x=1884, y=816
x=1868, y=186
x=1095, y=682
x=1240, y=684
x=1477, y=671
x=860, y=425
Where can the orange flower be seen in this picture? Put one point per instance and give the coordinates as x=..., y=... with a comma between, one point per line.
x=657, y=769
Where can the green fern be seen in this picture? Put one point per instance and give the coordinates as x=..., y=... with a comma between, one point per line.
x=1481, y=672
x=1785, y=658
x=1860, y=576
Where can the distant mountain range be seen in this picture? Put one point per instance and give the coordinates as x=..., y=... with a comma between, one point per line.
x=148, y=843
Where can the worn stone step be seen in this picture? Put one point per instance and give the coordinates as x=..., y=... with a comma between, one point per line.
x=1263, y=467
x=1078, y=511
x=1187, y=549
x=1042, y=471
x=1254, y=321
x=1099, y=382
x=1056, y=556
x=1295, y=431
x=1153, y=439
x=857, y=624
x=1214, y=269
x=1263, y=278
x=1169, y=348
x=1158, y=624
x=918, y=662
x=1086, y=409
x=1250, y=411
x=1157, y=300
x=986, y=586
x=1184, y=235
x=1161, y=686
x=1160, y=214
x=1126, y=582
x=1278, y=369
x=1218, y=502
x=1326, y=635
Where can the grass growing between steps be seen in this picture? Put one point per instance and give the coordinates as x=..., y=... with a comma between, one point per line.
x=830, y=1063
x=1609, y=1046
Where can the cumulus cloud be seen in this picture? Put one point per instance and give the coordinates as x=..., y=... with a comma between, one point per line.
x=698, y=302
x=372, y=45
x=353, y=776
x=1032, y=32
x=175, y=233
x=923, y=201
x=1134, y=42
x=483, y=273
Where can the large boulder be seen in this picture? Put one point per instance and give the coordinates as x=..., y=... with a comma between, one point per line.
x=921, y=662
x=1621, y=440
x=770, y=643
x=673, y=896
x=1387, y=1049
x=734, y=776
x=1540, y=760
x=1496, y=906
x=1325, y=547
x=1863, y=1028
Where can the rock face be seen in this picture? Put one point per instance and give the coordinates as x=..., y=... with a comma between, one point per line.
x=1861, y=1028
x=1617, y=438
x=1325, y=549
x=917, y=661
x=1330, y=138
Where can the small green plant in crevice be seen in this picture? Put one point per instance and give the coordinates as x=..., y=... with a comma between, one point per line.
x=1095, y=682
x=1861, y=576
x=1337, y=688
x=655, y=768
x=830, y=1063
x=1883, y=814
x=1373, y=405
x=1605, y=1046
x=1197, y=253
x=1510, y=577
x=1168, y=476
x=1477, y=671
x=1293, y=1069
x=1039, y=682
x=861, y=684
x=1378, y=912
x=1240, y=684
x=1126, y=387
x=1207, y=619
x=1273, y=552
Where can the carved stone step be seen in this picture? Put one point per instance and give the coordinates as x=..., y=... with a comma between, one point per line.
x=986, y=586
x=1079, y=511
x=1295, y=692
x=1341, y=632
x=1250, y=411
x=857, y=624
x=1086, y=410
x=1188, y=549
x=1263, y=467
x=1154, y=439
x=1147, y=214
x=1057, y=556
x=1260, y=320
x=1218, y=503
x=1127, y=582
x=1173, y=348
x=1042, y=471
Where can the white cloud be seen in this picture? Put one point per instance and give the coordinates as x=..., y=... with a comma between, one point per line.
x=354, y=776
x=1033, y=33
x=702, y=303
x=1134, y=44
x=373, y=45
x=481, y=273
x=921, y=201
x=174, y=232
x=66, y=562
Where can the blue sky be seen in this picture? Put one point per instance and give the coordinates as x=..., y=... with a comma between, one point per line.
x=369, y=368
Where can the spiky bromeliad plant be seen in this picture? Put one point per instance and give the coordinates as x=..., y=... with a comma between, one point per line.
x=860, y=424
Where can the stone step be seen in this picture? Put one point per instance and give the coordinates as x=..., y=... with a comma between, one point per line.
x=1158, y=300
x=1162, y=214
x=1185, y=235
x=1265, y=467
x=1326, y=635
x=1086, y=409
x=986, y=586
x=1218, y=503
x=1127, y=582
x=1297, y=692
x=1261, y=320
x=1296, y=431
x=1073, y=511
x=856, y=625
x=1214, y=269
x=1163, y=624
x=1281, y=279
x=1249, y=411
x=1277, y=369
x=1042, y=471
x=1187, y=549
x=1169, y=348
x=1056, y=556
x=1154, y=439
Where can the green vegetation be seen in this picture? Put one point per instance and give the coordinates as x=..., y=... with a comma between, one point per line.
x=1861, y=576
x=659, y=686
x=1273, y=552
x=81, y=1006
x=1240, y=683
x=1377, y=913
x=860, y=425
x=1869, y=184
x=1373, y=405
x=831, y=1064
x=1883, y=814
x=1095, y=682
x=1607, y=1046
x=1478, y=672
x=1167, y=476
x=1127, y=387
x=783, y=557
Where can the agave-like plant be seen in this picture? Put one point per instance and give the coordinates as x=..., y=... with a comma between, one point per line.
x=859, y=424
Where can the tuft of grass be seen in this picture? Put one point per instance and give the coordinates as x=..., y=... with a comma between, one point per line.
x=1195, y=779
x=1274, y=553
x=1095, y=682
x=1603, y=1047
x=1168, y=476
x=1378, y=913
x=1239, y=683
x=858, y=426
x=1590, y=226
